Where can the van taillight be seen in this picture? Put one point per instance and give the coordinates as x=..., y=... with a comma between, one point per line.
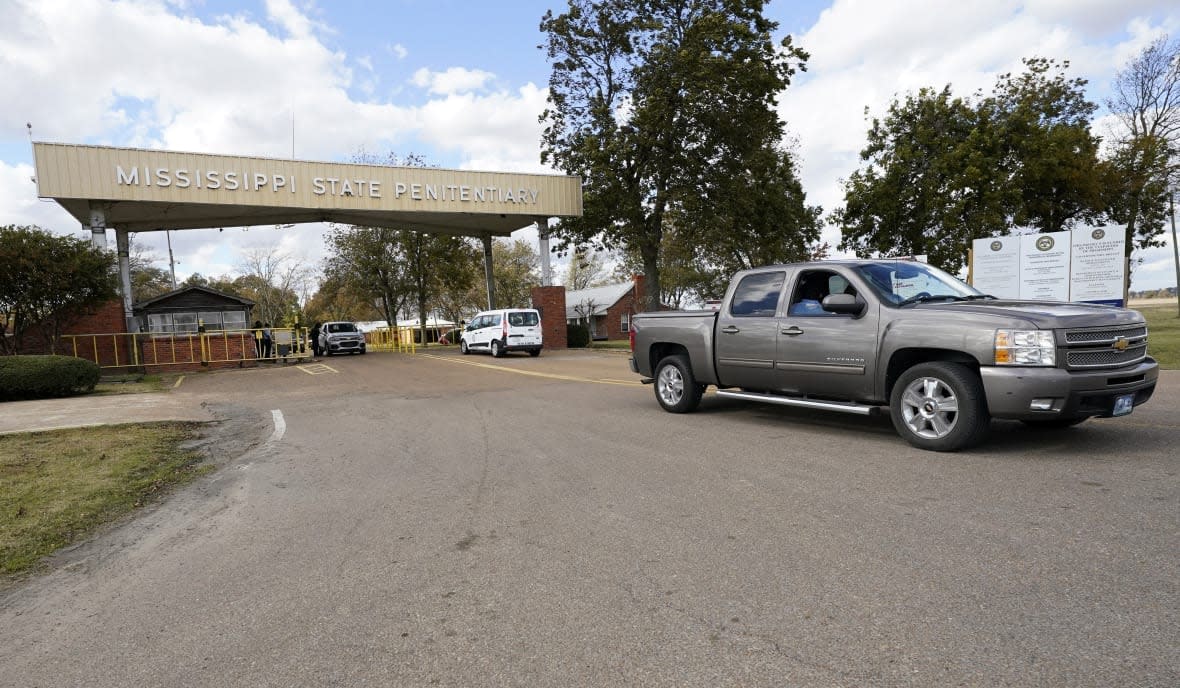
x=631, y=335
x=504, y=330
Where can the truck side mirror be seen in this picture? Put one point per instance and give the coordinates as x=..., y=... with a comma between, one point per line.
x=844, y=304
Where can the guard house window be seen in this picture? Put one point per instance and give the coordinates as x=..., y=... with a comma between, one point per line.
x=183, y=323
x=756, y=296
x=625, y=323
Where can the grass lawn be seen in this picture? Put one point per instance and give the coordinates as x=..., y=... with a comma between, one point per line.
x=1163, y=334
x=57, y=487
x=134, y=384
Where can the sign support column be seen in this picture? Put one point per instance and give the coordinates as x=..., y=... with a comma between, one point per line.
x=543, y=246
x=123, y=245
x=487, y=268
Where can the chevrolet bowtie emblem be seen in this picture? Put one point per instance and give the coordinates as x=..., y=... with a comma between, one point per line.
x=1120, y=343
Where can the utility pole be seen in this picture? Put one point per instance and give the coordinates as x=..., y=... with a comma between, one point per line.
x=171, y=260
x=1175, y=247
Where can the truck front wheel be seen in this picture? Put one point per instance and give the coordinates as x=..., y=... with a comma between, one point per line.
x=940, y=406
x=676, y=388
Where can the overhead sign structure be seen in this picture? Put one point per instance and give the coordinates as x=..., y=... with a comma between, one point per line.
x=1085, y=264
x=145, y=190
x=136, y=190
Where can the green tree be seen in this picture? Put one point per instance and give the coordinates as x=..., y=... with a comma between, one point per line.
x=939, y=171
x=432, y=262
x=517, y=271
x=1048, y=151
x=368, y=261
x=653, y=103
x=48, y=280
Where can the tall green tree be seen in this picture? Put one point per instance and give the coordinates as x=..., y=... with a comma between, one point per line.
x=369, y=262
x=654, y=102
x=939, y=171
x=47, y=280
x=432, y=264
x=1145, y=99
x=517, y=271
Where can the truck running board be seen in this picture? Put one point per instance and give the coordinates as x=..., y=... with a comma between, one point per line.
x=844, y=406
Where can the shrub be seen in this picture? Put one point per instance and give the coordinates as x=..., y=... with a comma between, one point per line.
x=41, y=377
x=577, y=336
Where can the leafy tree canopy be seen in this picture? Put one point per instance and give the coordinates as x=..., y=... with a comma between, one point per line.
x=664, y=106
x=940, y=170
x=48, y=280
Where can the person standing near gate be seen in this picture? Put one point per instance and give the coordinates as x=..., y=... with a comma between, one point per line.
x=258, y=338
x=266, y=341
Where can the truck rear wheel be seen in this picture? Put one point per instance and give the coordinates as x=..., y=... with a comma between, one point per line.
x=676, y=388
x=940, y=406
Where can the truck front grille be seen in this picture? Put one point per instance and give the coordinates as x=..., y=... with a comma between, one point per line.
x=1105, y=335
x=1105, y=347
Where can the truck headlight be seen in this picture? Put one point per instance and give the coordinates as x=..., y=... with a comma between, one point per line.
x=1025, y=348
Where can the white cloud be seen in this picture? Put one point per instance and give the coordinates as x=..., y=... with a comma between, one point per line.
x=399, y=51
x=451, y=81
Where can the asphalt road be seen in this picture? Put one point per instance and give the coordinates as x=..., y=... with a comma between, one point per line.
x=467, y=521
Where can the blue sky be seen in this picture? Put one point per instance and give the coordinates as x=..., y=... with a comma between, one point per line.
x=463, y=82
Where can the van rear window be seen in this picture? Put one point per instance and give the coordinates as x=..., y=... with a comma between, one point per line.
x=524, y=319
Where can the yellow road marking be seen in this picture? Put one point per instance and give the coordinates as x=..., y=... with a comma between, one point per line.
x=534, y=373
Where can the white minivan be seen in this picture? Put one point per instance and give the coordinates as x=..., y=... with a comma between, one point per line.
x=500, y=331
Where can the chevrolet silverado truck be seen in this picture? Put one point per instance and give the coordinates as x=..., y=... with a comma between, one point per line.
x=863, y=336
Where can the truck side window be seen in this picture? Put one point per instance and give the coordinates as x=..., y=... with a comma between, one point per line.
x=757, y=295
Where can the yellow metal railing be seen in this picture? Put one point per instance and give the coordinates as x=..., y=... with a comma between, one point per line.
x=399, y=339
x=123, y=350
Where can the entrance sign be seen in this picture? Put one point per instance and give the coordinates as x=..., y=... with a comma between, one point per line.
x=1085, y=264
x=1096, y=268
x=997, y=266
x=1044, y=266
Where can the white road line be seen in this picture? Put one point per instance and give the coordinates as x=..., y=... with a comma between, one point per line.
x=280, y=426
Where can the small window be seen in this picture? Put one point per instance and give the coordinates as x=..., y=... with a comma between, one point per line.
x=210, y=319
x=184, y=322
x=757, y=295
x=160, y=322
x=234, y=320
x=625, y=323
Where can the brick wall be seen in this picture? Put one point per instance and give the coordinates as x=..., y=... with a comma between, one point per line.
x=551, y=302
x=630, y=304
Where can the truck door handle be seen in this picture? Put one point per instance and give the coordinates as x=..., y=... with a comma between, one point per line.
x=730, y=330
x=792, y=331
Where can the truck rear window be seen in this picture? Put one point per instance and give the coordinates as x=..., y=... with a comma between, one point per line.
x=757, y=295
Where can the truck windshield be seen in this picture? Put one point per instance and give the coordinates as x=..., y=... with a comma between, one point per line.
x=905, y=282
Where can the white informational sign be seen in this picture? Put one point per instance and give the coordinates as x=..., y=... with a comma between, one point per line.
x=996, y=268
x=1098, y=265
x=1044, y=266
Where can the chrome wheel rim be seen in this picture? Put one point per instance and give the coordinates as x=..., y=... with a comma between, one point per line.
x=671, y=385
x=929, y=407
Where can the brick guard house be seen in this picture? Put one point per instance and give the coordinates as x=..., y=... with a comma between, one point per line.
x=606, y=311
x=167, y=338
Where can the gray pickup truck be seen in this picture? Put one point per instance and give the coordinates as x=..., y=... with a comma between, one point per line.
x=858, y=336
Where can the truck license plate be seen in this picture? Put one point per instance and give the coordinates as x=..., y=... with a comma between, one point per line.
x=1123, y=404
